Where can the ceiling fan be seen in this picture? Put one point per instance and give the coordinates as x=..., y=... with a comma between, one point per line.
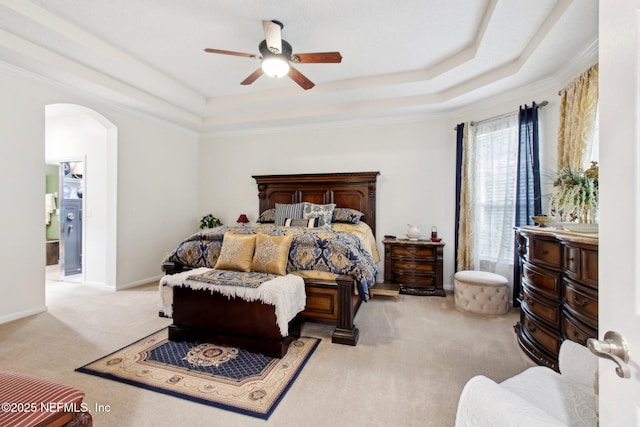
x=277, y=57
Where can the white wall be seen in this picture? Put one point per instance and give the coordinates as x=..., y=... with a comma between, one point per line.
x=157, y=190
x=157, y=194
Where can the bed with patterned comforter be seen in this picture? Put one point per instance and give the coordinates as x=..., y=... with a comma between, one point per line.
x=316, y=253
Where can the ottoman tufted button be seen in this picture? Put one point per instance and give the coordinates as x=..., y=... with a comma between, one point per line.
x=481, y=292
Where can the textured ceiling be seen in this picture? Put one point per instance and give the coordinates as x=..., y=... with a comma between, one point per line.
x=399, y=57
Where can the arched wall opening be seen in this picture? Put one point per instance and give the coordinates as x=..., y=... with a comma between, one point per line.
x=77, y=133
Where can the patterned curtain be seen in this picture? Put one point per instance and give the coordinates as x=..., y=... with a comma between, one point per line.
x=578, y=107
x=528, y=191
x=464, y=198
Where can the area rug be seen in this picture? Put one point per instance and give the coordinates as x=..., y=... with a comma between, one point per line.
x=224, y=377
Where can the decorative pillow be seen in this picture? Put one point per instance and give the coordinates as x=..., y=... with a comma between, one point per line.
x=302, y=222
x=236, y=252
x=288, y=210
x=347, y=215
x=323, y=212
x=272, y=254
x=267, y=216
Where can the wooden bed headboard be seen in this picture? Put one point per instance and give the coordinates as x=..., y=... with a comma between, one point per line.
x=355, y=190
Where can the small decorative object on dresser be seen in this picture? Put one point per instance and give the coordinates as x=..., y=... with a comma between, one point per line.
x=415, y=264
x=559, y=291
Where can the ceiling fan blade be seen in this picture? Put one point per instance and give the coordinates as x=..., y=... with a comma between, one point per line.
x=299, y=78
x=229, y=52
x=317, y=57
x=252, y=77
x=273, y=36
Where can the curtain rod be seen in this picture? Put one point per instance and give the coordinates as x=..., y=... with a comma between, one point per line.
x=542, y=104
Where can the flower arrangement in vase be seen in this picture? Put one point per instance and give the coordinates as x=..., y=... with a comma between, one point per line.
x=575, y=195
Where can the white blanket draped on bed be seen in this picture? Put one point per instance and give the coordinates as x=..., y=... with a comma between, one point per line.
x=285, y=293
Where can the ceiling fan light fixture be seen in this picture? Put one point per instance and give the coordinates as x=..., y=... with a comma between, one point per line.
x=275, y=66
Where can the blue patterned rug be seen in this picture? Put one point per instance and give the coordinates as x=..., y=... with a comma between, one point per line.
x=224, y=377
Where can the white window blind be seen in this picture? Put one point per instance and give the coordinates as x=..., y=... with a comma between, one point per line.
x=495, y=186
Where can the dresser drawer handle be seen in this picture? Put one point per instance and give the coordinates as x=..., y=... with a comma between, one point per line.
x=529, y=302
x=532, y=329
x=412, y=251
x=582, y=303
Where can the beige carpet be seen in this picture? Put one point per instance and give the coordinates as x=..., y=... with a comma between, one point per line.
x=413, y=358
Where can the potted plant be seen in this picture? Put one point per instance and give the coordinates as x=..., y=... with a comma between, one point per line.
x=575, y=195
x=209, y=221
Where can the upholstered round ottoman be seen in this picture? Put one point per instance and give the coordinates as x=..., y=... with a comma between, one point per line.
x=481, y=292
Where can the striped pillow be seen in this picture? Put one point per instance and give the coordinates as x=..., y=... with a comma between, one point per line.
x=302, y=222
x=288, y=210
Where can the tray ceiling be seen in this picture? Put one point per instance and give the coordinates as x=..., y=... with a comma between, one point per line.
x=400, y=57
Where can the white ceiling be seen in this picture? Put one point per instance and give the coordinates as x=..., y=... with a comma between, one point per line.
x=400, y=57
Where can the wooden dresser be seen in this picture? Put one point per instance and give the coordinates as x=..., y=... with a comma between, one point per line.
x=559, y=291
x=415, y=265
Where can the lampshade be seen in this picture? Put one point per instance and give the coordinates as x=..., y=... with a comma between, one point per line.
x=275, y=66
x=242, y=219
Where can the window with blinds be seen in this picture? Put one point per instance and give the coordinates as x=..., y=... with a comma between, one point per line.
x=495, y=185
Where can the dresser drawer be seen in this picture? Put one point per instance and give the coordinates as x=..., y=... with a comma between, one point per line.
x=412, y=265
x=575, y=330
x=542, y=308
x=589, y=267
x=413, y=251
x=544, y=282
x=581, y=302
x=571, y=262
x=544, y=337
x=409, y=278
x=581, y=264
x=545, y=252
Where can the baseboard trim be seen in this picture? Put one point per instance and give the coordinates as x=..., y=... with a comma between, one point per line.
x=21, y=314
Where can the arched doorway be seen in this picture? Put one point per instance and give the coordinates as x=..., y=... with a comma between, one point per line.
x=78, y=135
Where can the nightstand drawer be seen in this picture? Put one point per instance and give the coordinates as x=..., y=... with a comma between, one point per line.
x=415, y=265
x=399, y=265
x=409, y=278
x=413, y=251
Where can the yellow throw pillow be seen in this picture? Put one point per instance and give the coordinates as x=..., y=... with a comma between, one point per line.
x=236, y=252
x=272, y=254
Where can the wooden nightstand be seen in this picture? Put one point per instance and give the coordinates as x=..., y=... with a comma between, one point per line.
x=415, y=265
